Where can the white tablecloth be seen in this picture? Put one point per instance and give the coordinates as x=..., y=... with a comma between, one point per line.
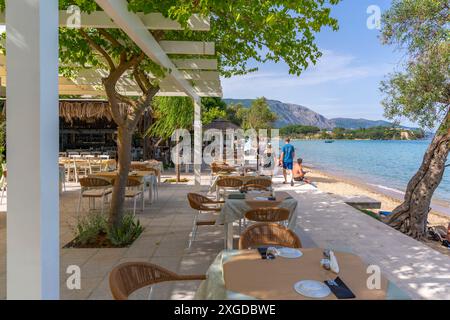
x=213, y=288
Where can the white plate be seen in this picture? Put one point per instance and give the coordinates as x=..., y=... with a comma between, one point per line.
x=289, y=253
x=261, y=198
x=312, y=289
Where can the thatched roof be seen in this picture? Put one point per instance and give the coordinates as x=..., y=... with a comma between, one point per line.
x=72, y=110
x=221, y=124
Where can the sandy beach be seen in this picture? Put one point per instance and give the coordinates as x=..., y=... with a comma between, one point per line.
x=342, y=186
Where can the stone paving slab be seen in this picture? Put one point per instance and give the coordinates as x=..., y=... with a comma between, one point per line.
x=323, y=221
x=413, y=266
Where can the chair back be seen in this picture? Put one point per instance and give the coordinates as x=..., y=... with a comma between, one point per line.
x=272, y=214
x=229, y=182
x=266, y=183
x=131, y=182
x=268, y=234
x=131, y=276
x=248, y=187
x=94, y=182
x=196, y=201
x=143, y=167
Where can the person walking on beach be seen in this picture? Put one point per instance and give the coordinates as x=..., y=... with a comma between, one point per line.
x=287, y=158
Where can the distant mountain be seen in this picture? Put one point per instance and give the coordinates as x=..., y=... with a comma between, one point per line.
x=349, y=123
x=289, y=113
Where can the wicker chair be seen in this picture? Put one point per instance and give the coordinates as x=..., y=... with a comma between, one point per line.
x=266, y=183
x=271, y=214
x=272, y=234
x=248, y=187
x=128, y=277
x=228, y=184
x=203, y=205
x=94, y=188
x=134, y=191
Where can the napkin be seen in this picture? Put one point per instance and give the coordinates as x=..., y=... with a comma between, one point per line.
x=334, y=266
x=340, y=290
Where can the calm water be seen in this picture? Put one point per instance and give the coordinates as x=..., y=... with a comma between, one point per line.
x=386, y=164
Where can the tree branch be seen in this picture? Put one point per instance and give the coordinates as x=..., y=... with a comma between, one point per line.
x=110, y=87
x=115, y=43
x=97, y=47
x=138, y=111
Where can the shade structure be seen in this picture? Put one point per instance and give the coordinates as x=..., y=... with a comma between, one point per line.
x=30, y=76
x=221, y=124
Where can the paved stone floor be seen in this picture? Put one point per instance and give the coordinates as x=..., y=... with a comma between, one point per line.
x=414, y=267
x=323, y=221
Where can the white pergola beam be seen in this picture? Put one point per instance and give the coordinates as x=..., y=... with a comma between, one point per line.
x=135, y=29
x=152, y=21
x=32, y=141
x=195, y=64
x=188, y=47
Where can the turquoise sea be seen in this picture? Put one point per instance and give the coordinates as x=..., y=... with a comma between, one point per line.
x=386, y=165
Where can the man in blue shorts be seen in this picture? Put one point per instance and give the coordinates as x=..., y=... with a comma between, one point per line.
x=287, y=158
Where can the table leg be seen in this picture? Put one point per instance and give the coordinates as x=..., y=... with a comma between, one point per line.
x=228, y=236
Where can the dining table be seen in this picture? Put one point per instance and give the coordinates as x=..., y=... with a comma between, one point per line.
x=243, y=275
x=147, y=178
x=235, y=209
x=151, y=164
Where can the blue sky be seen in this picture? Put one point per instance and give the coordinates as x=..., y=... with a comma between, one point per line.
x=344, y=83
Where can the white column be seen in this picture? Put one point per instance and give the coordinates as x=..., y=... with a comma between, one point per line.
x=32, y=149
x=198, y=141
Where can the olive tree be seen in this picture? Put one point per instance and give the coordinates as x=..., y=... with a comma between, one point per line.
x=243, y=31
x=421, y=93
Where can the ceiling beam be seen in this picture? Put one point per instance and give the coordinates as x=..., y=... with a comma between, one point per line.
x=188, y=47
x=195, y=64
x=151, y=21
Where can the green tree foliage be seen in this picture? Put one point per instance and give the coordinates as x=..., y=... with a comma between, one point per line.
x=173, y=113
x=243, y=31
x=258, y=116
x=236, y=113
x=421, y=90
x=259, y=30
x=296, y=130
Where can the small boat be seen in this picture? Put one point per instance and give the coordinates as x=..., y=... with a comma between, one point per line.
x=329, y=141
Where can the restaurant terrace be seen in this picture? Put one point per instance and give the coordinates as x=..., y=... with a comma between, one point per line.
x=201, y=238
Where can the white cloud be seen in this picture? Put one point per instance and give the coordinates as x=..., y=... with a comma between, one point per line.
x=332, y=67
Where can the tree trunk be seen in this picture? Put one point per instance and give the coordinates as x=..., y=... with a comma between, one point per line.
x=411, y=216
x=124, y=161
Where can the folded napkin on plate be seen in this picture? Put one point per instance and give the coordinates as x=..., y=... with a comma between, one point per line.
x=340, y=290
x=236, y=196
x=334, y=266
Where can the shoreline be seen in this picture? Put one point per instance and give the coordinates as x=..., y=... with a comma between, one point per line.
x=345, y=186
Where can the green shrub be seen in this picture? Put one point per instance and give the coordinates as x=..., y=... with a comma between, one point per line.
x=89, y=228
x=93, y=230
x=128, y=231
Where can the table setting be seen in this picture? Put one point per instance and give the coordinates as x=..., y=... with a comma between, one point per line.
x=238, y=203
x=295, y=274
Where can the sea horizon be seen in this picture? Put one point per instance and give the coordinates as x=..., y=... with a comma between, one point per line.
x=384, y=166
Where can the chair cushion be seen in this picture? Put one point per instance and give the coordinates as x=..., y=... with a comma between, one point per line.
x=132, y=193
x=96, y=192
